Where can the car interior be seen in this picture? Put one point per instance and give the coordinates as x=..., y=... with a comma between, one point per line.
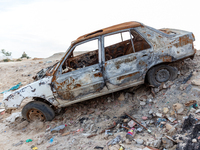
x=111, y=52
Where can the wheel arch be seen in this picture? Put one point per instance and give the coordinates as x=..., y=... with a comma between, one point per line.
x=44, y=101
x=145, y=75
x=38, y=109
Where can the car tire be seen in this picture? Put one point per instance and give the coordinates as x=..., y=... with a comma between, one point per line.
x=161, y=73
x=36, y=110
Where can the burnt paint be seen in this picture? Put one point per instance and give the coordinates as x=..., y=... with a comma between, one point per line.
x=127, y=76
x=98, y=74
x=117, y=64
x=184, y=40
x=162, y=47
x=166, y=58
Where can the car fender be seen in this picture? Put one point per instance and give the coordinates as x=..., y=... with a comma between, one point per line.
x=40, y=88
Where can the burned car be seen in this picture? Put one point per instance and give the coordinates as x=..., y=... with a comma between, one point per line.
x=102, y=62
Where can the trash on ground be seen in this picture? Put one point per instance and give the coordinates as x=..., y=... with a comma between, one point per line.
x=13, y=116
x=12, y=88
x=29, y=140
x=58, y=128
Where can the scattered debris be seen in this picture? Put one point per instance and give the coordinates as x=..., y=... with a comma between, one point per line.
x=98, y=147
x=13, y=117
x=58, y=128
x=19, y=143
x=115, y=140
x=172, y=116
x=138, y=123
x=12, y=88
x=131, y=133
x=187, y=78
x=29, y=140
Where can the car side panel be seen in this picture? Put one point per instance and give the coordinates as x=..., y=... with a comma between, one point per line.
x=79, y=83
x=169, y=48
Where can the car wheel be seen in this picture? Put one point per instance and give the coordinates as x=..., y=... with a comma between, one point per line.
x=36, y=110
x=161, y=73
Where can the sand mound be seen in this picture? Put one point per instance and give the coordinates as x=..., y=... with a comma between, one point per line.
x=56, y=56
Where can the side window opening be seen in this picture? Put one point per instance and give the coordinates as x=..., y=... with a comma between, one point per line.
x=139, y=42
x=83, y=55
x=117, y=45
x=120, y=44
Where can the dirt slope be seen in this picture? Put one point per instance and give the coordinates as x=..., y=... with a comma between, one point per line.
x=155, y=110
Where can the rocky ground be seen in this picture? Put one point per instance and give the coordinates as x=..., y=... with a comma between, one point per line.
x=170, y=114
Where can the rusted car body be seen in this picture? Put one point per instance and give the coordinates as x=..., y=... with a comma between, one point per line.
x=112, y=66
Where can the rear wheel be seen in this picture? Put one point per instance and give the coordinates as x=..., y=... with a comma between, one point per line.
x=36, y=110
x=161, y=73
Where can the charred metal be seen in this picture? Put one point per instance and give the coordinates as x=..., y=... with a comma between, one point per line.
x=118, y=57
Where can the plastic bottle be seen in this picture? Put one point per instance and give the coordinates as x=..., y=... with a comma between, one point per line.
x=58, y=128
x=131, y=133
x=121, y=148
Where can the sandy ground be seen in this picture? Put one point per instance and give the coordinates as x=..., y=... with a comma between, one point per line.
x=13, y=73
x=93, y=116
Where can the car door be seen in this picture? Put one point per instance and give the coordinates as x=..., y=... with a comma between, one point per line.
x=81, y=74
x=125, y=60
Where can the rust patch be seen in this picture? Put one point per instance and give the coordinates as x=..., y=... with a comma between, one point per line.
x=33, y=90
x=117, y=64
x=142, y=63
x=148, y=35
x=114, y=28
x=166, y=58
x=193, y=36
x=77, y=86
x=127, y=76
x=97, y=87
x=98, y=74
x=68, y=95
x=54, y=78
x=184, y=40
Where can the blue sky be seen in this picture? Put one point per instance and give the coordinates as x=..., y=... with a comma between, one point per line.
x=44, y=27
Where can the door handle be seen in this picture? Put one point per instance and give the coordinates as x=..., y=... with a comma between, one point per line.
x=95, y=70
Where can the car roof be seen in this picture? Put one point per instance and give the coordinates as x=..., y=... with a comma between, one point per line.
x=110, y=29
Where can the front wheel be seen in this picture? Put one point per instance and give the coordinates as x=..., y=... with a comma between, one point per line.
x=161, y=73
x=36, y=110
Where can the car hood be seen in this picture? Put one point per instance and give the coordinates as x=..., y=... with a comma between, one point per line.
x=45, y=72
x=38, y=89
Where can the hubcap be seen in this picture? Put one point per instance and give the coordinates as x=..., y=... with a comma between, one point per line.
x=162, y=75
x=35, y=114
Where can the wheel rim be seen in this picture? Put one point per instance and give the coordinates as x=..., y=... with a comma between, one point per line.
x=162, y=75
x=34, y=114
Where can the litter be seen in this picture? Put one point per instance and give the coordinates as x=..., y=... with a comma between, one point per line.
x=13, y=117
x=51, y=140
x=12, y=88
x=131, y=133
x=34, y=147
x=67, y=133
x=187, y=78
x=29, y=140
x=58, y=128
x=1, y=110
x=138, y=123
x=19, y=143
x=98, y=147
x=115, y=140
